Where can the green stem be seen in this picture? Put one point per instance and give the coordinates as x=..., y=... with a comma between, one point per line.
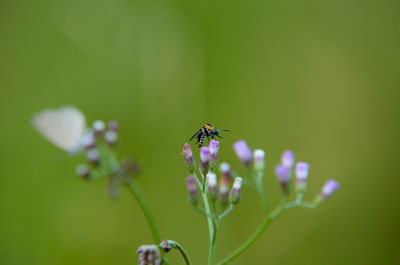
x=227, y=211
x=181, y=250
x=134, y=189
x=267, y=221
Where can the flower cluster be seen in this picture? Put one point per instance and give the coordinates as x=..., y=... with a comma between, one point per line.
x=222, y=193
x=149, y=255
x=284, y=173
x=98, y=143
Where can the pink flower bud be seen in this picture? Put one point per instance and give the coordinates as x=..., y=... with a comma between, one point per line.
x=192, y=190
x=259, y=159
x=243, y=152
x=204, y=159
x=329, y=189
x=287, y=159
x=188, y=155
x=214, y=146
x=236, y=191
x=283, y=175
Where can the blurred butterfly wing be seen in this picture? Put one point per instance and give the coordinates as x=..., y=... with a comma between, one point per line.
x=63, y=127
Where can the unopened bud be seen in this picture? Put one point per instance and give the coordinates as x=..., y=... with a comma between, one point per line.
x=243, y=152
x=111, y=137
x=204, y=159
x=192, y=190
x=224, y=184
x=93, y=156
x=212, y=186
x=99, y=127
x=225, y=170
x=329, y=189
x=165, y=246
x=149, y=255
x=287, y=159
x=113, y=125
x=189, y=160
x=301, y=176
x=259, y=160
x=236, y=191
x=83, y=171
x=283, y=175
x=88, y=140
x=214, y=147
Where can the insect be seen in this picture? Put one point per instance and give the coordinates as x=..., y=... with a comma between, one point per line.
x=64, y=127
x=208, y=130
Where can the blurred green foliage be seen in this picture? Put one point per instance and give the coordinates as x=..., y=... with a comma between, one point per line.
x=318, y=77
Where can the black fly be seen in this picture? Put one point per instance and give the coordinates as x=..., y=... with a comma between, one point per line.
x=208, y=130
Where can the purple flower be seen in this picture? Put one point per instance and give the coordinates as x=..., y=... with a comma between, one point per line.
x=259, y=159
x=236, y=191
x=329, y=188
x=302, y=171
x=287, y=159
x=283, y=175
x=192, y=190
x=243, y=152
x=189, y=160
x=204, y=159
x=214, y=146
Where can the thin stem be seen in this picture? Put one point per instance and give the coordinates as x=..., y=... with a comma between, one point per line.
x=181, y=250
x=134, y=189
x=267, y=221
x=214, y=239
x=227, y=211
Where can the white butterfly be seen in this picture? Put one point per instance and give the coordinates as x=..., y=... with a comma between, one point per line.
x=64, y=127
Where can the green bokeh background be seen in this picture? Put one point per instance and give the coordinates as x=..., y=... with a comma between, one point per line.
x=317, y=77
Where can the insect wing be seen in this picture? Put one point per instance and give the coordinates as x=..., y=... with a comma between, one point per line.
x=64, y=127
x=196, y=135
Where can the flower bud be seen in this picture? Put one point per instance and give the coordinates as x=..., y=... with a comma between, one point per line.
x=283, y=175
x=189, y=160
x=204, y=159
x=287, y=159
x=243, y=152
x=93, y=156
x=83, y=171
x=192, y=190
x=236, y=192
x=111, y=137
x=225, y=170
x=149, y=255
x=212, y=186
x=329, y=189
x=301, y=175
x=99, y=127
x=224, y=184
x=165, y=246
x=113, y=125
x=214, y=146
x=88, y=140
x=259, y=159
